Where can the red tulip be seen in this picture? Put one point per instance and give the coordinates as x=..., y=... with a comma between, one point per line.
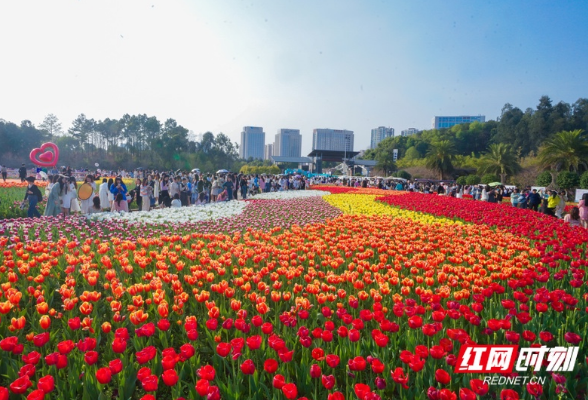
x=286, y=356
x=315, y=371
x=170, y=377
x=442, y=376
x=279, y=381
x=336, y=396
x=415, y=322
x=546, y=336
x=479, y=387
x=36, y=394
x=27, y=369
x=362, y=391
x=213, y=393
x=119, y=345
x=572, y=338
x=399, y=377
x=20, y=385
x=202, y=386
x=509, y=394
x=143, y=373
x=466, y=394
x=248, y=368
x=318, y=354
x=206, y=372
x=290, y=391
x=65, y=347
x=74, y=323
x=163, y=324
x=332, y=360
x=41, y=339
x=534, y=389
x=4, y=393
x=377, y=366
x=357, y=364
x=328, y=381
x=270, y=365
x=32, y=358
x=91, y=357
x=150, y=383
x=46, y=384
x=446, y=394
x=103, y=375
x=115, y=366
x=223, y=349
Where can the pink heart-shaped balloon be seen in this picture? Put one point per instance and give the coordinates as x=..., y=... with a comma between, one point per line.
x=44, y=158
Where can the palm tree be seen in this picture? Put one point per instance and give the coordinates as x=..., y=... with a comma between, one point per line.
x=500, y=160
x=440, y=157
x=566, y=150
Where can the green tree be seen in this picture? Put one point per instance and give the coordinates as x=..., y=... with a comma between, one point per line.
x=440, y=157
x=462, y=180
x=567, y=180
x=584, y=180
x=473, y=180
x=489, y=178
x=500, y=160
x=565, y=151
x=544, y=178
x=51, y=126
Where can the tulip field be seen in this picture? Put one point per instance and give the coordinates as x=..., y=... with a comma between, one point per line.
x=331, y=293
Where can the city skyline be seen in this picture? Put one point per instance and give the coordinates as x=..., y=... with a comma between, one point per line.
x=219, y=66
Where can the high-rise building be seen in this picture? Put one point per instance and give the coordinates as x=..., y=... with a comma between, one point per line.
x=448, y=122
x=409, y=131
x=379, y=134
x=288, y=143
x=269, y=151
x=252, y=142
x=332, y=139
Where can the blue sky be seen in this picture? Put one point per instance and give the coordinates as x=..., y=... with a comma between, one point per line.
x=221, y=65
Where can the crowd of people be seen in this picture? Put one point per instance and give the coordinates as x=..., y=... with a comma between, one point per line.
x=153, y=190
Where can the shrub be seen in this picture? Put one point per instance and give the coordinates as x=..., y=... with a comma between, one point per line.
x=584, y=180
x=567, y=180
x=489, y=178
x=544, y=179
x=462, y=180
x=473, y=180
x=402, y=174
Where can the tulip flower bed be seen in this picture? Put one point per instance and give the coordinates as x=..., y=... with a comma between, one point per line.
x=11, y=199
x=335, y=297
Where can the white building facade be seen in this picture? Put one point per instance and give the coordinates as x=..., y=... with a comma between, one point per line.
x=379, y=134
x=252, y=143
x=288, y=143
x=409, y=131
x=332, y=139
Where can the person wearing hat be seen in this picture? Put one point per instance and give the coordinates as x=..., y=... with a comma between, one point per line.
x=33, y=195
x=22, y=172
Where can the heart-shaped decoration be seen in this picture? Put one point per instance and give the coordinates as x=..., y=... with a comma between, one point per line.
x=42, y=157
x=46, y=156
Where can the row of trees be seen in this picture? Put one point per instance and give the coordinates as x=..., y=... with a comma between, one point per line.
x=129, y=142
x=553, y=136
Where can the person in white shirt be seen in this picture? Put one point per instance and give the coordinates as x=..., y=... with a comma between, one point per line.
x=176, y=202
x=103, y=194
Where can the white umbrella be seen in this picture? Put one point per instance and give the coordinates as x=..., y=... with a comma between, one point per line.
x=222, y=171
